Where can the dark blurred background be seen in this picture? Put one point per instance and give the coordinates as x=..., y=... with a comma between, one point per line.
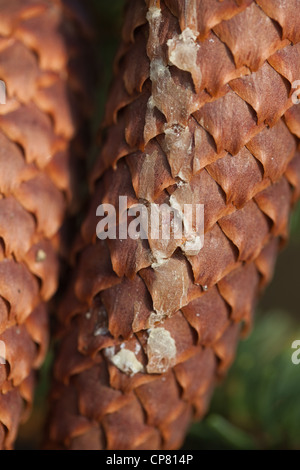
x=258, y=405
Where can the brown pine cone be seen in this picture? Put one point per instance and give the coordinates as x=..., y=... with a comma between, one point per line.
x=201, y=111
x=43, y=63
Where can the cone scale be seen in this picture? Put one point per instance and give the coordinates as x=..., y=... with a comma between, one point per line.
x=201, y=111
x=42, y=45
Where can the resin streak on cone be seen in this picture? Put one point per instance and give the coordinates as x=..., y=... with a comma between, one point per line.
x=200, y=111
x=42, y=47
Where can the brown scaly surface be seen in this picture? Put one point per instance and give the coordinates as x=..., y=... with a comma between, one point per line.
x=42, y=55
x=200, y=112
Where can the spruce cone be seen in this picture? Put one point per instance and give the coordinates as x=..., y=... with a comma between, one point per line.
x=42, y=55
x=201, y=111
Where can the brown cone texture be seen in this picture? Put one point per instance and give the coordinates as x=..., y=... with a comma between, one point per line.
x=42, y=54
x=200, y=111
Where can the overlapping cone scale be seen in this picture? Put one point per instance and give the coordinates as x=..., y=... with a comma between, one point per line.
x=202, y=111
x=44, y=101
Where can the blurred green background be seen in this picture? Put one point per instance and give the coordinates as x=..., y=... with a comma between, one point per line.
x=258, y=405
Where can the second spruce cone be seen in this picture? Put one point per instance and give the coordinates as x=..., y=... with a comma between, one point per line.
x=201, y=111
x=43, y=58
